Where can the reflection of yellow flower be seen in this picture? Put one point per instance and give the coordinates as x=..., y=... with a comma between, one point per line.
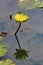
x=20, y=17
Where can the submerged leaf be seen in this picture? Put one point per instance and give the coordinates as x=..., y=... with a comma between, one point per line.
x=21, y=54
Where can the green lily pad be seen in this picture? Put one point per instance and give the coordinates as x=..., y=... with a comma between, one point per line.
x=3, y=49
x=1, y=38
x=6, y=62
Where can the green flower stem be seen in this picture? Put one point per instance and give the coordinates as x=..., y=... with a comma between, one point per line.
x=18, y=41
x=16, y=35
x=18, y=28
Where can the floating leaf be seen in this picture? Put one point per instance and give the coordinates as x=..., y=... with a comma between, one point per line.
x=6, y=62
x=3, y=49
x=1, y=38
x=41, y=5
x=26, y=4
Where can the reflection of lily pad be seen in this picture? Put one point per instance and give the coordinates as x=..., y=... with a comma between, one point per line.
x=6, y=62
x=1, y=38
x=21, y=54
x=3, y=50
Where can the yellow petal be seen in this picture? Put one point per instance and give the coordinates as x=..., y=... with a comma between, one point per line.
x=20, y=17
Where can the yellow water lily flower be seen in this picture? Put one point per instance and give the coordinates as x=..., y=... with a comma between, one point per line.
x=20, y=17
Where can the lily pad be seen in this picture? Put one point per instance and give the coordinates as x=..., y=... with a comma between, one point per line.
x=30, y=4
x=1, y=38
x=6, y=62
x=3, y=49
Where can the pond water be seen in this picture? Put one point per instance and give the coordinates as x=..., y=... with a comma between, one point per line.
x=31, y=40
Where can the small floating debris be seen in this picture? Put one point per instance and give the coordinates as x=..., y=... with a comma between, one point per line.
x=4, y=32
